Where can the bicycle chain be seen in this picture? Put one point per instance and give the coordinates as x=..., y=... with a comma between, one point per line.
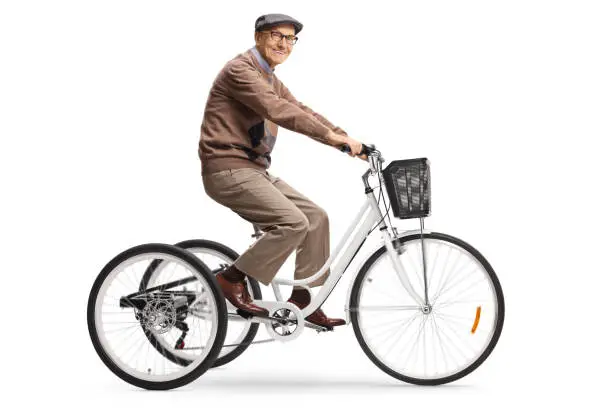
x=316, y=327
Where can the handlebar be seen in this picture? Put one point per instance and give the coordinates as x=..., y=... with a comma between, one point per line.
x=371, y=153
x=365, y=149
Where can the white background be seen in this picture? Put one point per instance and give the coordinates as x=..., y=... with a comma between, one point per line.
x=101, y=105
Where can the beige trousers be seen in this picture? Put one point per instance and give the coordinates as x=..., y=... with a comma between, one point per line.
x=289, y=220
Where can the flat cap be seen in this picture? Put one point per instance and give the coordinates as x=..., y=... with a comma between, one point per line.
x=270, y=20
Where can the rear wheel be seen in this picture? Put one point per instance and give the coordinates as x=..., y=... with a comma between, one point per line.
x=125, y=323
x=240, y=331
x=435, y=344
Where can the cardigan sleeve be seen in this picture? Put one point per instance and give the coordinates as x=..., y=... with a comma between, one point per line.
x=285, y=93
x=248, y=86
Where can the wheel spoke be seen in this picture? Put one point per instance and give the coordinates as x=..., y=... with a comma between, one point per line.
x=450, y=281
x=441, y=342
x=450, y=287
x=460, y=338
x=416, y=341
x=443, y=276
x=403, y=331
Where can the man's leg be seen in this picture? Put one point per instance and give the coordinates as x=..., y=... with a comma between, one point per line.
x=313, y=251
x=249, y=193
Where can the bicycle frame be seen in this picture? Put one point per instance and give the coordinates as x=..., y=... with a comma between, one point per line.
x=368, y=217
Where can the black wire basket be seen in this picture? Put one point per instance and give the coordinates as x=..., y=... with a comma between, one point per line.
x=408, y=186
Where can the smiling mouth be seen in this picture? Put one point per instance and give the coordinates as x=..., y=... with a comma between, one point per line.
x=278, y=52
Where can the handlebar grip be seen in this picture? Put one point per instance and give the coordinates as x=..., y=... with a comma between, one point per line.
x=345, y=148
x=365, y=149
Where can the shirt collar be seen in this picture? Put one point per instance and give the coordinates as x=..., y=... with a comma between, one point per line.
x=264, y=64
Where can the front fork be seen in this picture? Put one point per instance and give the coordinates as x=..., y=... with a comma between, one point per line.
x=394, y=249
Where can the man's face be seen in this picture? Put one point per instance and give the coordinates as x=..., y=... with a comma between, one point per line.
x=275, y=52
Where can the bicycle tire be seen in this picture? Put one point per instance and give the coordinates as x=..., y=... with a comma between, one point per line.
x=200, y=269
x=354, y=305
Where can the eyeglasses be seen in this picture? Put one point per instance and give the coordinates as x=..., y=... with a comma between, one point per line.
x=278, y=37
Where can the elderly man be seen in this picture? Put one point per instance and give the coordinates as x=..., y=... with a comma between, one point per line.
x=245, y=106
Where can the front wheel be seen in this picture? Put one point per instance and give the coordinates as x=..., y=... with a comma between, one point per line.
x=436, y=343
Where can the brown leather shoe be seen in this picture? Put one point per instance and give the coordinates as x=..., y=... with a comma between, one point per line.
x=318, y=317
x=238, y=295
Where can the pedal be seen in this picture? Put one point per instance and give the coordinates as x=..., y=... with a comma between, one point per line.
x=316, y=327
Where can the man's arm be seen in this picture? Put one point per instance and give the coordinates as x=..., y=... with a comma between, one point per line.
x=247, y=85
x=286, y=94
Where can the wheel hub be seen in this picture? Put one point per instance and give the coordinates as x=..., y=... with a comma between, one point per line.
x=159, y=315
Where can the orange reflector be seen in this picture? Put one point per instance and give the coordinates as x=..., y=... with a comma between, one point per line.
x=476, y=320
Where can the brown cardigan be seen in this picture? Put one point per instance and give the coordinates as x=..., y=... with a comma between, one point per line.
x=245, y=106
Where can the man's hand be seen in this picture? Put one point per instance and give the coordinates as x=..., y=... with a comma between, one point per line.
x=355, y=146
